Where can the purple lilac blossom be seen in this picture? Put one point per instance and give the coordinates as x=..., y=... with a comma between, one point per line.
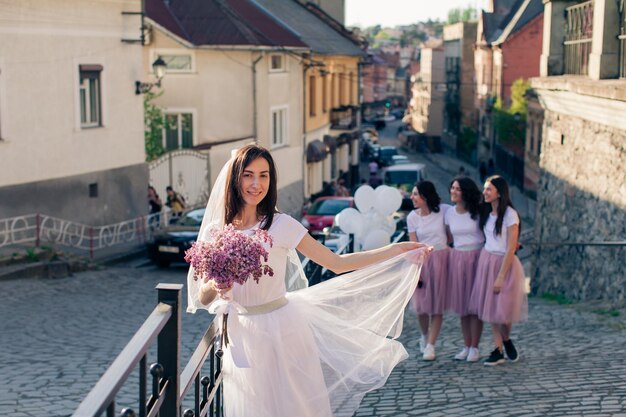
x=230, y=256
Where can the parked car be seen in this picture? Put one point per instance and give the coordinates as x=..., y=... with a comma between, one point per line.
x=404, y=177
x=333, y=238
x=170, y=243
x=400, y=159
x=322, y=212
x=385, y=155
x=370, y=151
x=397, y=113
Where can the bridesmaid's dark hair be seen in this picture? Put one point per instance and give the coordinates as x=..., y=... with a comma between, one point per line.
x=427, y=191
x=234, y=200
x=504, y=201
x=470, y=194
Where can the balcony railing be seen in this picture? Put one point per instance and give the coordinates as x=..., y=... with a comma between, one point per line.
x=578, y=34
x=343, y=118
x=622, y=39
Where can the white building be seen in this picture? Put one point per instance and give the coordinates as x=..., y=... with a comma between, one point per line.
x=71, y=126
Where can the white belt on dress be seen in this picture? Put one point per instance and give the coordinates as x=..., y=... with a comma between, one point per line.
x=467, y=248
x=223, y=308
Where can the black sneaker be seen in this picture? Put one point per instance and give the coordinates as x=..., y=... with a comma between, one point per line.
x=510, y=351
x=496, y=358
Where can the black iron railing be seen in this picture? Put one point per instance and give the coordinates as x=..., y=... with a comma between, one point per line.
x=316, y=273
x=622, y=39
x=169, y=386
x=578, y=34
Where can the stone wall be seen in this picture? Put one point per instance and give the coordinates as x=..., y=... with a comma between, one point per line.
x=581, y=198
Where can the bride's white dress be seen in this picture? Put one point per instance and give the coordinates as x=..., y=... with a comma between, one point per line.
x=320, y=353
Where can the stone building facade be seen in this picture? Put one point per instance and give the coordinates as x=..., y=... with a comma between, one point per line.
x=580, y=227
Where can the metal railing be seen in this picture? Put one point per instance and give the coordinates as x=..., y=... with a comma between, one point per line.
x=169, y=386
x=316, y=273
x=622, y=39
x=578, y=34
x=37, y=229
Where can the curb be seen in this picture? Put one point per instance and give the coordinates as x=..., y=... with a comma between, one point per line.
x=64, y=268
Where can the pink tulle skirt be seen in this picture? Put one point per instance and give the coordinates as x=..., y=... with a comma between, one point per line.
x=461, y=274
x=511, y=304
x=430, y=296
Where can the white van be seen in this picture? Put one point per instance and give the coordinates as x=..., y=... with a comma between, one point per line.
x=404, y=177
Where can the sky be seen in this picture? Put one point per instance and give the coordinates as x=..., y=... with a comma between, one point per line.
x=390, y=13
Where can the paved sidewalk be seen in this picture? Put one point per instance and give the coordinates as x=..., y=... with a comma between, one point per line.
x=58, y=336
x=571, y=364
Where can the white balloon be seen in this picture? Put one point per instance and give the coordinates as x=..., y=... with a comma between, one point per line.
x=350, y=220
x=364, y=197
x=376, y=239
x=389, y=225
x=388, y=200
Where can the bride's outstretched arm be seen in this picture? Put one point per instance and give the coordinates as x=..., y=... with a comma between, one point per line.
x=323, y=256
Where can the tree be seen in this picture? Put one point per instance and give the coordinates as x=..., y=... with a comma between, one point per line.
x=458, y=14
x=153, y=126
x=510, y=124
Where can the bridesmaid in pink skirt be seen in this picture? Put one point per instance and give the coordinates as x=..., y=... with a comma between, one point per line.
x=426, y=225
x=499, y=295
x=463, y=226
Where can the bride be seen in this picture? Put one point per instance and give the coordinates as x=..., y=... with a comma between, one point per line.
x=316, y=351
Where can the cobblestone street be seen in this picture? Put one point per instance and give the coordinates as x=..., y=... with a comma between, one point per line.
x=58, y=336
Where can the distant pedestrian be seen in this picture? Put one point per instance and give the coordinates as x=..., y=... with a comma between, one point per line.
x=426, y=225
x=463, y=227
x=341, y=190
x=154, y=201
x=461, y=172
x=154, y=206
x=373, y=166
x=482, y=171
x=499, y=295
x=175, y=201
x=491, y=168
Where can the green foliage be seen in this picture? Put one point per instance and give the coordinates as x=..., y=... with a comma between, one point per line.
x=467, y=140
x=556, y=298
x=153, y=126
x=519, y=104
x=510, y=123
x=459, y=14
x=611, y=312
x=31, y=255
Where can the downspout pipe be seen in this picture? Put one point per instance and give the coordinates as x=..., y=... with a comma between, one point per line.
x=254, y=99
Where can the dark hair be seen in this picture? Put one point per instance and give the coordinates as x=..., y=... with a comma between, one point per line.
x=234, y=200
x=427, y=190
x=470, y=194
x=169, y=188
x=504, y=201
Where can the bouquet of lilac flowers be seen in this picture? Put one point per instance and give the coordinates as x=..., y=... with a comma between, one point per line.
x=230, y=256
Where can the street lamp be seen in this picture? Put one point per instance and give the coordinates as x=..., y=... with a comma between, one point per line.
x=158, y=67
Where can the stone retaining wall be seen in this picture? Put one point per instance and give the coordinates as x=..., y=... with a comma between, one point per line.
x=582, y=198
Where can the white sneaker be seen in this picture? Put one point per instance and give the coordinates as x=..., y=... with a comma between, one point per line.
x=422, y=343
x=462, y=355
x=429, y=353
x=473, y=355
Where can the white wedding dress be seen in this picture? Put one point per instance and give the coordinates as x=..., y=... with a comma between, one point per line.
x=321, y=351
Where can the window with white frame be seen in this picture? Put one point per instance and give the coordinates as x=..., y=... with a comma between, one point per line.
x=277, y=63
x=90, y=97
x=279, y=126
x=177, y=62
x=177, y=131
